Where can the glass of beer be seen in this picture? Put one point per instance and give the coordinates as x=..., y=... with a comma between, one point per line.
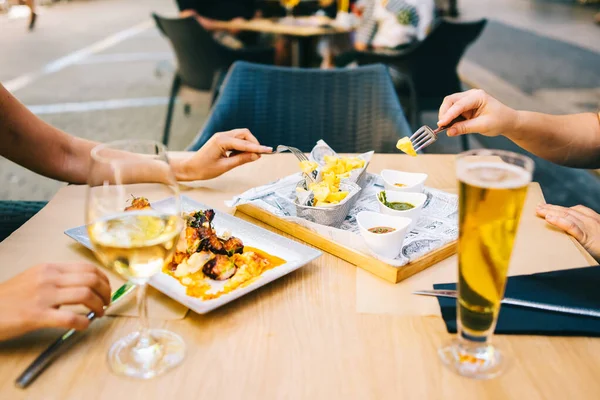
x=492, y=189
x=131, y=237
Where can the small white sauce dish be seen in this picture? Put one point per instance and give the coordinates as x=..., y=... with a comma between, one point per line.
x=384, y=244
x=415, y=182
x=416, y=199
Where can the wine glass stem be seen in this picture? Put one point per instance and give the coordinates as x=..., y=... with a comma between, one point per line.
x=288, y=11
x=145, y=340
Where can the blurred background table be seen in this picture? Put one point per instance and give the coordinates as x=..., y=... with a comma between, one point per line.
x=302, y=32
x=309, y=334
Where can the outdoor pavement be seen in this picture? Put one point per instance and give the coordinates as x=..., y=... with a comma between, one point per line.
x=91, y=69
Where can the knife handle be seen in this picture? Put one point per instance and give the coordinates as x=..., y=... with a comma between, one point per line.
x=42, y=361
x=46, y=358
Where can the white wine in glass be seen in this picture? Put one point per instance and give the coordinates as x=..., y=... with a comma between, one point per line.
x=136, y=242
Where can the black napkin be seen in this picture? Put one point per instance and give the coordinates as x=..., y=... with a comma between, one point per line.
x=578, y=287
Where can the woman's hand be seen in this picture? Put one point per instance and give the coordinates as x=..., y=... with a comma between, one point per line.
x=580, y=222
x=223, y=152
x=482, y=112
x=31, y=300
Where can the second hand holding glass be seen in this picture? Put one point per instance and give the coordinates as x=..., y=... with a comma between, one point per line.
x=136, y=242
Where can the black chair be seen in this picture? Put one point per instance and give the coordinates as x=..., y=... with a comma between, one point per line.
x=430, y=66
x=201, y=60
x=13, y=214
x=353, y=110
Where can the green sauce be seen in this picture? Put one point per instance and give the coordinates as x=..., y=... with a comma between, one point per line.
x=398, y=206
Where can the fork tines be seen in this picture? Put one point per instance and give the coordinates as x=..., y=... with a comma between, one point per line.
x=299, y=155
x=423, y=137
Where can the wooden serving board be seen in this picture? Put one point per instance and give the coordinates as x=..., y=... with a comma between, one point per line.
x=361, y=260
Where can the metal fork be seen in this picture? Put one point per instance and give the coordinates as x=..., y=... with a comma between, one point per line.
x=424, y=136
x=299, y=155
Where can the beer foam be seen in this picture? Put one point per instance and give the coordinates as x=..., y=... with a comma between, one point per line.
x=493, y=175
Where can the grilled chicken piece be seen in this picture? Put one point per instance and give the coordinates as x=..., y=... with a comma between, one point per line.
x=219, y=268
x=138, y=203
x=189, y=240
x=201, y=219
x=214, y=244
x=233, y=245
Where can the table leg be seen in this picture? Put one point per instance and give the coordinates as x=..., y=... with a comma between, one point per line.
x=302, y=52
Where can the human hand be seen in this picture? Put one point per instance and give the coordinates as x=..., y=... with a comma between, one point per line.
x=483, y=113
x=31, y=300
x=223, y=152
x=580, y=222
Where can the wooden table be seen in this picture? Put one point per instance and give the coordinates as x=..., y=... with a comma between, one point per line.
x=300, y=34
x=300, y=337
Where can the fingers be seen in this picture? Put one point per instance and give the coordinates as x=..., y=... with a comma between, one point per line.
x=472, y=101
x=448, y=102
x=81, y=268
x=243, y=146
x=237, y=160
x=588, y=212
x=570, y=224
x=240, y=140
x=80, y=295
x=565, y=219
x=52, y=318
x=89, y=280
x=474, y=125
x=244, y=134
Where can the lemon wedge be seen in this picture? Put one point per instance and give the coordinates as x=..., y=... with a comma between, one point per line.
x=406, y=146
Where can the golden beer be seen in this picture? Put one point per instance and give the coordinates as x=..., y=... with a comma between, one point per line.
x=491, y=199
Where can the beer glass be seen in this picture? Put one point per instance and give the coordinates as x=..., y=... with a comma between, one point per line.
x=492, y=189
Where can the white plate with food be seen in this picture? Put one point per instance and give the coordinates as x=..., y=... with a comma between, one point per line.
x=219, y=257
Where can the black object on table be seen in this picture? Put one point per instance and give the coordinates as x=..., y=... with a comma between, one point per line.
x=573, y=287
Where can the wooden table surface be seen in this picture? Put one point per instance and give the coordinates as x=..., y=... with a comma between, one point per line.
x=265, y=25
x=300, y=337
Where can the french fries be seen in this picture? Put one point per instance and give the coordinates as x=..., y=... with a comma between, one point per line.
x=327, y=191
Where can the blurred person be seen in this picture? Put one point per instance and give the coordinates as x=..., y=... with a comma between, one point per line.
x=569, y=140
x=32, y=14
x=32, y=299
x=208, y=12
x=392, y=24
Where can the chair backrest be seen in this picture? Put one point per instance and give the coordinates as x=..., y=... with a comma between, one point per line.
x=433, y=63
x=198, y=54
x=353, y=110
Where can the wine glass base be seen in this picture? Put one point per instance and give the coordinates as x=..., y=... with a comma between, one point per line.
x=166, y=351
x=473, y=360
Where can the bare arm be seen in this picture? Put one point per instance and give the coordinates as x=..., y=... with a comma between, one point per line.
x=27, y=140
x=38, y=146
x=571, y=140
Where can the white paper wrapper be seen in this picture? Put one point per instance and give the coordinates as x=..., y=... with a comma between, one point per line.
x=437, y=226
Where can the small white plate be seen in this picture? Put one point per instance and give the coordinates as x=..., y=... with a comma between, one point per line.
x=416, y=199
x=295, y=254
x=389, y=244
x=415, y=182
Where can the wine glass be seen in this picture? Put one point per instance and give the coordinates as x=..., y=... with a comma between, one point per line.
x=137, y=242
x=289, y=8
x=492, y=189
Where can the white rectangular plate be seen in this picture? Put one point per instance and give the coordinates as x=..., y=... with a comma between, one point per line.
x=295, y=254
